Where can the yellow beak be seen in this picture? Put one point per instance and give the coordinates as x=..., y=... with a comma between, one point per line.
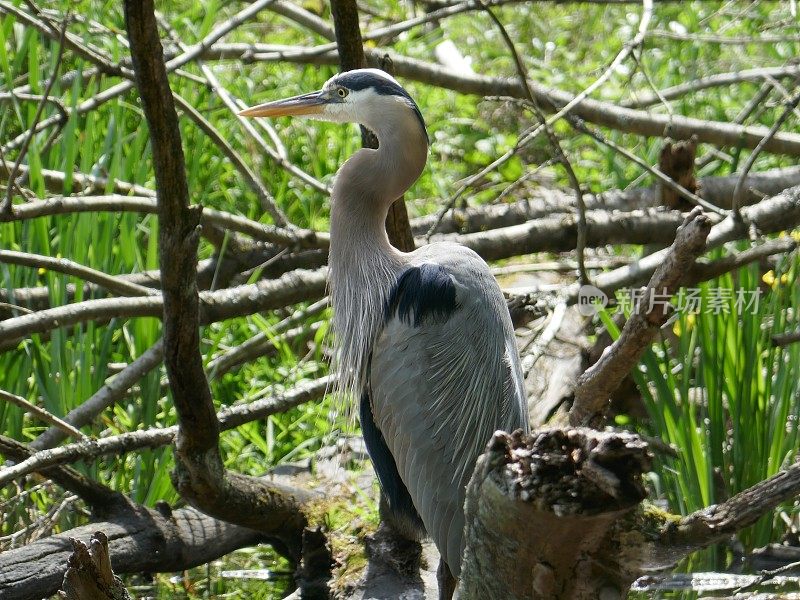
x=304, y=104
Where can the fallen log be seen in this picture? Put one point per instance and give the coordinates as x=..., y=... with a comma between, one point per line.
x=139, y=540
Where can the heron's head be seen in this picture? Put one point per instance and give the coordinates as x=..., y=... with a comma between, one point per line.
x=369, y=97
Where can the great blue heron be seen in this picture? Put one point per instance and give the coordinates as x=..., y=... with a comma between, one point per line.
x=424, y=338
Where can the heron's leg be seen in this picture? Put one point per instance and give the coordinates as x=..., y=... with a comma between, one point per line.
x=447, y=583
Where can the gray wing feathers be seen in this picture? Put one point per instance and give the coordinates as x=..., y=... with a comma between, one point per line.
x=439, y=390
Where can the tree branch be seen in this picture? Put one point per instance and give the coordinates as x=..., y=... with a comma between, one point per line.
x=154, y=437
x=550, y=99
x=199, y=476
x=594, y=387
x=140, y=540
x=106, y=396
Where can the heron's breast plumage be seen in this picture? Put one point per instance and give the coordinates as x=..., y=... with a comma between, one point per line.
x=441, y=381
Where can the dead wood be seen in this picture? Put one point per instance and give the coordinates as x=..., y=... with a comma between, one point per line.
x=596, y=384
x=677, y=162
x=89, y=575
x=540, y=508
x=139, y=540
x=199, y=476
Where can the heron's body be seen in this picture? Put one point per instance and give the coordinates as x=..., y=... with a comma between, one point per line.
x=424, y=338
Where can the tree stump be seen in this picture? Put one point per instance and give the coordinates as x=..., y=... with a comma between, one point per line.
x=89, y=575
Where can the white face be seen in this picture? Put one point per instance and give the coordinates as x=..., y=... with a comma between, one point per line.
x=364, y=106
x=366, y=96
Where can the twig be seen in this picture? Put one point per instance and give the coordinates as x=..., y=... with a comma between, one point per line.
x=234, y=106
x=75, y=43
x=593, y=111
x=93, y=492
x=774, y=214
x=56, y=102
x=229, y=418
x=717, y=39
x=114, y=203
x=5, y=207
x=789, y=105
x=303, y=17
x=41, y=414
x=294, y=287
x=264, y=197
x=191, y=54
x=716, y=80
x=69, y=267
x=82, y=183
x=277, y=154
x=784, y=339
x=622, y=55
x=540, y=343
x=583, y=275
x=666, y=180
x=766, y=575
x=255, y=345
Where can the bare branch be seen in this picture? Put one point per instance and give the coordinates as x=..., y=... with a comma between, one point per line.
x=716, y=80
x=551, y=99
x=784, y=339
x=595, y=385
x=715, y=523
x=229, y=418
x=106, y=396
x=294, y=287
x=97, y=495
x=789, y=107
x=41, y=414
x=256, y=345
x=141, y=540
x=114, y=203
x=5, y=206
x=114, y=91
x=264, y=197
x=82, y=183
x=580, y=245
x=63, y=265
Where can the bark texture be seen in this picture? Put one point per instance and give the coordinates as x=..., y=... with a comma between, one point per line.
x=89, y=575
x=139, y=540
x=540, y=508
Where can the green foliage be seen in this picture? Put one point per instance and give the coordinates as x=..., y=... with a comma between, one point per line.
x=737, y=422
x=723, y=395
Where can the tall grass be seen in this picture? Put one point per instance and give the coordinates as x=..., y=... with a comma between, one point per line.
x=723, y=395
x=62, y=370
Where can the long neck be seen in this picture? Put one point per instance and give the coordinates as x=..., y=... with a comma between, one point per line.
x=364, y=266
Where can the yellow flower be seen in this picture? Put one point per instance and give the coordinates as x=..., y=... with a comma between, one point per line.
x=772, y=281
x=796, y=235
x=678, y=327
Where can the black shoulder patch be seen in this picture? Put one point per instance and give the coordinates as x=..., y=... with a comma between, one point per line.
x=421, y=293
x=404, y=514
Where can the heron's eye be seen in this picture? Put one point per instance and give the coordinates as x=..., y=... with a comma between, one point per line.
x=342, y=92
